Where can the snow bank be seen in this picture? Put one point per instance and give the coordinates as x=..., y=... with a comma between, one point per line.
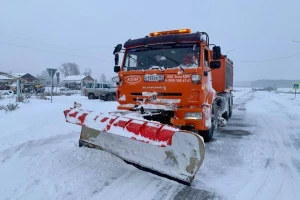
x=40, y=158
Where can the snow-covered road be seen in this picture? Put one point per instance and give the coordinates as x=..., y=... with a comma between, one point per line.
x=257, y=156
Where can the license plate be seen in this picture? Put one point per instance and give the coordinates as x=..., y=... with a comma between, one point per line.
x=154, y=78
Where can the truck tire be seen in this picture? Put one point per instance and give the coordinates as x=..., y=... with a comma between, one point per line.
x=91, y=96
x=208, y=134
x=110, y=98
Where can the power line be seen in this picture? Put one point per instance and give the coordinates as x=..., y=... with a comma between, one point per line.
x=46, y=50
x=36, y=41
x=71, y=54
x=41, y=42
x=269, y=60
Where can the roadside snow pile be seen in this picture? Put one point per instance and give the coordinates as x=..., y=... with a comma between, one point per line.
x=56, y=168
x=9, y=107
x=40, y=158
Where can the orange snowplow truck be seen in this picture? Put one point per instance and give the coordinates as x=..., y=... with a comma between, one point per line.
x=173, y=77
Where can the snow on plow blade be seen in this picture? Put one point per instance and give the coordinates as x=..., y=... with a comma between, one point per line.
x=162, y=149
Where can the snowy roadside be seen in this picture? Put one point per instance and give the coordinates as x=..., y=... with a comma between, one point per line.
x=40, y=158
x=254, y=157
x=40, y=118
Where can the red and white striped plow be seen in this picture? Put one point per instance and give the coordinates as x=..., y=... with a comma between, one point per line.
x=159, y=148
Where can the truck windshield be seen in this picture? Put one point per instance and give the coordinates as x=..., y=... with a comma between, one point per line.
x=162, y=57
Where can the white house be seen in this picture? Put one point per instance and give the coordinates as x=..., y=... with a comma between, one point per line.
x=74, y=81
x=77, y=79
x=6, y=80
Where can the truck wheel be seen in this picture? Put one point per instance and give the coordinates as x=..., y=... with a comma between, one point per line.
x=91, y=96
x=110, y=98
x=208, y=134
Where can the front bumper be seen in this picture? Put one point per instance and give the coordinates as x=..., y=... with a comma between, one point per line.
x=202, y=123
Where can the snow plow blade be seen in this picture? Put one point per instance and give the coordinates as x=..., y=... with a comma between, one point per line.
x=150, y=145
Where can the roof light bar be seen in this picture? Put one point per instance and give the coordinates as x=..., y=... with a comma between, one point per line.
x=179, y=31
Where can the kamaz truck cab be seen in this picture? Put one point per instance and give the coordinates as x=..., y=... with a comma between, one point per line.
x=166, y=77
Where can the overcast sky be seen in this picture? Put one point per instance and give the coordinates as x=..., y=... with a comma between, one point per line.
x=85, y=32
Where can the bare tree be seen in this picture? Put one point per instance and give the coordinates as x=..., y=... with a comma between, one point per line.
x=87, y=72
x=68, y=69
x=109, y=81
x=103, y=78
x=44, y=76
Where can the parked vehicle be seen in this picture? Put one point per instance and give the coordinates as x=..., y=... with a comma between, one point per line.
x=33, y=88
x=103, y=91
x=64, y=89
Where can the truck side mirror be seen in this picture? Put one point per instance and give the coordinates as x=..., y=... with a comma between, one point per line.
x=216, y=53
x=117, y=49
x=215, y=64
x=117, y=69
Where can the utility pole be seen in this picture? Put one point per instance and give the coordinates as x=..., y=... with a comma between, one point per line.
x=51, y=86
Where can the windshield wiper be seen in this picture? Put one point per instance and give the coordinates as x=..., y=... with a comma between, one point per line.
x=135, y=60
x=177, y=63
x=158, y=64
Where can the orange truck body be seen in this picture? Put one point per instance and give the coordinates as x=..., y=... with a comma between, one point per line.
x=185, y=96
x=223, y=77
x=176, y=94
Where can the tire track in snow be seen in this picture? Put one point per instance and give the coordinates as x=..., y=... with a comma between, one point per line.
x=278, y=179
x=222, y=155
x=293, y=138
x=190, y=193
x=147, y=185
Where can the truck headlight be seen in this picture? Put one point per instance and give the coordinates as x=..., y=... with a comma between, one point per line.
x=196, y=78
x=193, y=115
x=116, y=79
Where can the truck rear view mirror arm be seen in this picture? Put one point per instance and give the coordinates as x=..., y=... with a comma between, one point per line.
x=117, y=49
x=116, y=59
